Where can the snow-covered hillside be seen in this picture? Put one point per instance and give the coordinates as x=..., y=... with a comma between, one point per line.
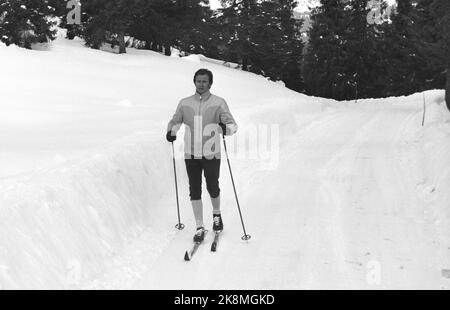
x=348, y=195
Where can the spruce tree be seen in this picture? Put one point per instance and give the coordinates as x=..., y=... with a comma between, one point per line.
x=427, y=37
x=149, y=24
x=110, y=21
x=189, y=26
x=264, y=38
x=324, y=60
x=239, y=22
x=62, y=11
x=363, y=74
x=343, y=60
x=24, y=22
x=292, y=45
x=441, y=13
x=399, y=53
x=161, y=24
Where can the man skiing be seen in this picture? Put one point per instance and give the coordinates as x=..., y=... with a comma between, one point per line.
x=205, y=116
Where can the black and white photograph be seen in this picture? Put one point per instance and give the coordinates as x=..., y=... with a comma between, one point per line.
x=250, y=146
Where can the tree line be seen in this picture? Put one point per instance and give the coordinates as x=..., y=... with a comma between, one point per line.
x=349, y=57
x=344, y=57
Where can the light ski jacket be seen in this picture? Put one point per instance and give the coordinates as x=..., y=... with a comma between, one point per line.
x=201, y=114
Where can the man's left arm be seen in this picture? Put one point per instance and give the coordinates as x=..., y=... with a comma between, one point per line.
x=227, y=119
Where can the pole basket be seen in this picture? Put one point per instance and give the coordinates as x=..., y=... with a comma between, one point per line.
x=246, y=237
x=179, y=226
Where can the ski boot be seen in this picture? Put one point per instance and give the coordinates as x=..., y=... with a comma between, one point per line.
x=200, y=235
x=218, y=224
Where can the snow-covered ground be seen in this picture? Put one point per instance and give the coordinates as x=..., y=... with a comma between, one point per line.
x=352, y=195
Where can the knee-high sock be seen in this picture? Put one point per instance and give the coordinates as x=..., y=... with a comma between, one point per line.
x=216, y=205
x=197, y=206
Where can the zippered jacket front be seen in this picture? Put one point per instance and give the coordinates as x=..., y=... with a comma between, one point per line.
x=201, y=114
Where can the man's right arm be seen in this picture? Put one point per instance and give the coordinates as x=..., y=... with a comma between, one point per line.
x=176, y=121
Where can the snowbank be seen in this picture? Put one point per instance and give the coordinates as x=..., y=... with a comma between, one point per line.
x=60, y=226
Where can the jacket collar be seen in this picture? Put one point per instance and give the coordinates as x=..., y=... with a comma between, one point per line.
x=205, y=95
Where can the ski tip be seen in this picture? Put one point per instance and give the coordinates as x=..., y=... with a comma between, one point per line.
x=186, y=256
x=213, y=247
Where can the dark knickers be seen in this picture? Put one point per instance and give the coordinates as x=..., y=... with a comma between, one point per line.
x=211, y=170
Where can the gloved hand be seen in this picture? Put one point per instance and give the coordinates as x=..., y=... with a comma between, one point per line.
x=169, y=137
x=224, y=128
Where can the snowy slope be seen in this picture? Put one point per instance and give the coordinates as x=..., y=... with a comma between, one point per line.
x=353, y=195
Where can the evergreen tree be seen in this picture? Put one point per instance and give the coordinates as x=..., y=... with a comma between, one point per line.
x=441, y=12
x=205, y=37
x=161, y=24
x=427, y=38
x=342, y=60
x=362, y=75
x=239, y=22
x=403, y=63
x=292, y=45
x=24, y=22
x=188, y=26
x=61, y=12
x=324, y=60
x=278, y=42
x=264, y=38
x=110, y=21
x=150, y=24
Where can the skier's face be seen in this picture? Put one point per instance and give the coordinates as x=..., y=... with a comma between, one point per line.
x=202, y=83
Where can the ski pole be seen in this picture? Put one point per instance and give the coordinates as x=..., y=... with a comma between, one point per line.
x=179, y=226
x=245, y=236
